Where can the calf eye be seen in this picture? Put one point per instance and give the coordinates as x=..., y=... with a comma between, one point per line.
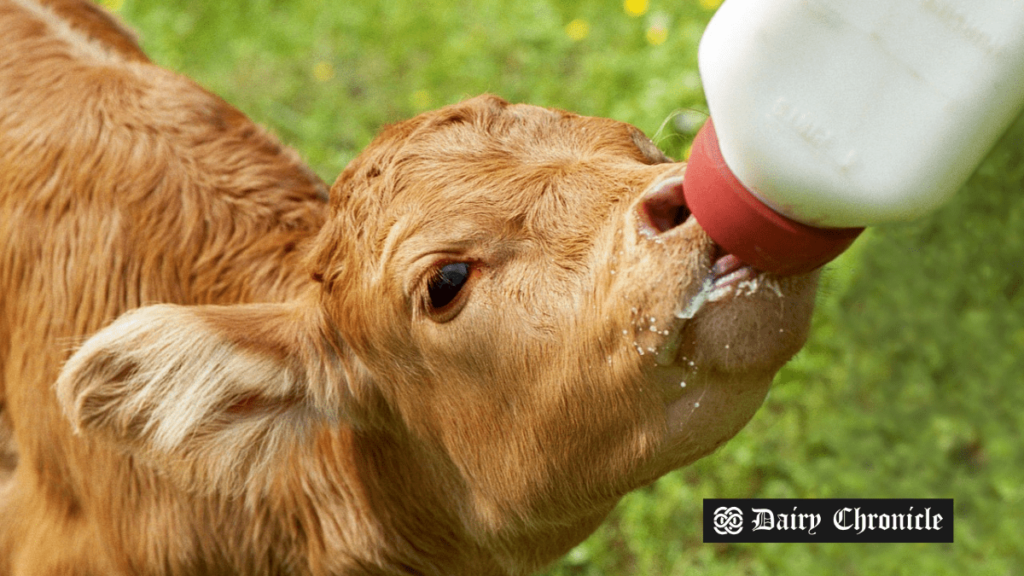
x=444, y=287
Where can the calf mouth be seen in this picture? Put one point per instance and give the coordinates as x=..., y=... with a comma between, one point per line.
x=721, y=277
x=726, y=279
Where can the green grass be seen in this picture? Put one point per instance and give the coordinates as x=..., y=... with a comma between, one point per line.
x=912, y=384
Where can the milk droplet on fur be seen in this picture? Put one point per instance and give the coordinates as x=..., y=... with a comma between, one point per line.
x=698, y=300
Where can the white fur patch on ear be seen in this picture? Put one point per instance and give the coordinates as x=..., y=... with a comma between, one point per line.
x=208, y=407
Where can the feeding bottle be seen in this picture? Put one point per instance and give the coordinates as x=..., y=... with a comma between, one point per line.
x=831, y=115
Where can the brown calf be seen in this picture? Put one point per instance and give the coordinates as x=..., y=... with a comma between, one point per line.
x=501, y=323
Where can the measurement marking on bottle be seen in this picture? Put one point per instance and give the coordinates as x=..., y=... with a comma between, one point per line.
x=960, y=22
x=814, y=132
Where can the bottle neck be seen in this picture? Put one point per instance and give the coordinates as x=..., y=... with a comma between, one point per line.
x=747, y=228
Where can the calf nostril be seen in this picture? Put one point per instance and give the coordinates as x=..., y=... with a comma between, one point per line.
x=664, y=207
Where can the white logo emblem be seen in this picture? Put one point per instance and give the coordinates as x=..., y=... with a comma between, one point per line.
x=728, y=520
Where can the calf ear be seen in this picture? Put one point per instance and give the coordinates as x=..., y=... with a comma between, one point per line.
x=213, y=395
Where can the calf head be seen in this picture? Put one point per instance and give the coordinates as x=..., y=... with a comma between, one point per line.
x=518, y=291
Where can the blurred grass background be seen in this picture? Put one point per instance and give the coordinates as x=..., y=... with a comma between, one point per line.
x=911, y=383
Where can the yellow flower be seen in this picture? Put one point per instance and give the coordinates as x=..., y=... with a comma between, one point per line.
x=323, y=71
x=657, y=35
x=113, y=5
x=577, y=29
x=635, y=7
x=710, y=4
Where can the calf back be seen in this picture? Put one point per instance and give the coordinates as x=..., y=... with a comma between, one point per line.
x=121, y=184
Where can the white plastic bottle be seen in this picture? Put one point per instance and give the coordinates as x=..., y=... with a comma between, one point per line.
x=831, y=115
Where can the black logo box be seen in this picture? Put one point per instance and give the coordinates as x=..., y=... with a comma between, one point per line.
x=828, y=520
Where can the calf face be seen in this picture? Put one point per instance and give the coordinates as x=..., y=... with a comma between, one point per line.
x=515, y=296
x=564, y=339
